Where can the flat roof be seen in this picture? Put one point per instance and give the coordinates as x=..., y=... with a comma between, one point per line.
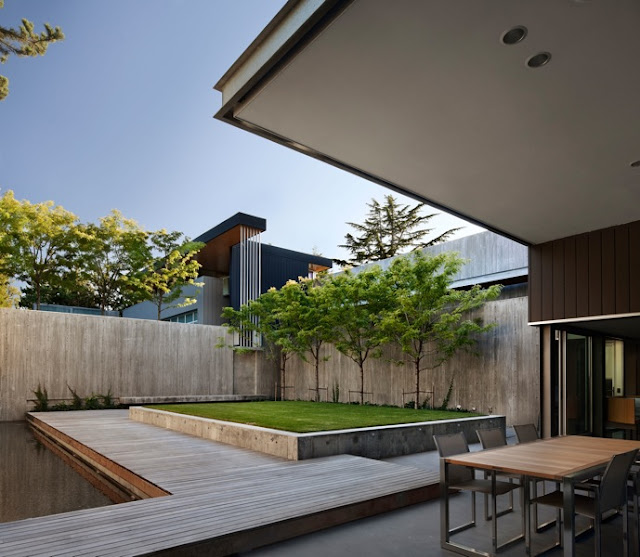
x=426, y=98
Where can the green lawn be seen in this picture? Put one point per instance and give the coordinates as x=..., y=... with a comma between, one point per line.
x=305, y=417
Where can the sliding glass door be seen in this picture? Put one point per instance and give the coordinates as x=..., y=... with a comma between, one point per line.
x=576, y=384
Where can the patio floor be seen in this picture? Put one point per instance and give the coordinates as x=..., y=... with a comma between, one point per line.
x=415, y=530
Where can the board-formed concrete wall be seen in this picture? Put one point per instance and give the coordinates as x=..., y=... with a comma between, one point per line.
x=130, y=357
x=503, y=379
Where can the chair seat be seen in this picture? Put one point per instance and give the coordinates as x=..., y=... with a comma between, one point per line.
x=584, y=505
x=484, y=486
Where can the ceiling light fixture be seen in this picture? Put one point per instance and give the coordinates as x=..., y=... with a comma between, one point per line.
x=514, y=35
x=538, y=60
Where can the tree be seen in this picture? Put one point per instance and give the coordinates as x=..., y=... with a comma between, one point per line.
x=37, y=241
x=72, y=291
x=9, y=294
x=307, y=313
x=356, y=305
x=428, y=319
x=267, y=316
x=112, y=256
x=24, y=41
x=389, y=229
x=173, y=268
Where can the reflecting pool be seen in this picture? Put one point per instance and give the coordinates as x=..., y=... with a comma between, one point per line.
x=35, y=482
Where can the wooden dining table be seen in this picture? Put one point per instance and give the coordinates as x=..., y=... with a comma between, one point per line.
x=566, y=459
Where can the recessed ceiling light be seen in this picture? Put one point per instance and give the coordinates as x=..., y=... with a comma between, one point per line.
x=538, y=60
x=514, y=35
x=635, y=164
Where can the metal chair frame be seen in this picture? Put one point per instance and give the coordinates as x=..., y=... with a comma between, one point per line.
x=462, y=478
x=610, y=493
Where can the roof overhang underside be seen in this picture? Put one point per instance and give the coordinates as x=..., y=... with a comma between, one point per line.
x=423, y=97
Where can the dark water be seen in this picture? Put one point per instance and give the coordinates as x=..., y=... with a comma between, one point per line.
x=35, y=482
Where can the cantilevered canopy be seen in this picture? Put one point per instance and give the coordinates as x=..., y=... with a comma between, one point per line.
x=425, y=97
x=215, y=256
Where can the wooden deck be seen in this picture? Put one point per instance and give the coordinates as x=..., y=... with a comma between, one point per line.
x=222, y=499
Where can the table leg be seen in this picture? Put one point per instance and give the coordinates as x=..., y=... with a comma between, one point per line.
x=444, y=502
x=569, y=518
x=526, y=497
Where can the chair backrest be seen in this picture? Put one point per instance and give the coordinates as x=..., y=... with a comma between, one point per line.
x=490, y=438
x=526, y=433
x=613, y=486
x=450, y=445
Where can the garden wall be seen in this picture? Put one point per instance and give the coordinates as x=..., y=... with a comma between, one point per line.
x=503, y=379
x=130, y=357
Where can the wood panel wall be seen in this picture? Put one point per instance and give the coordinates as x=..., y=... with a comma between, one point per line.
x=591, y=274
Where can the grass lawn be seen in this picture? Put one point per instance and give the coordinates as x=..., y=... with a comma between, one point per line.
x=306, y=417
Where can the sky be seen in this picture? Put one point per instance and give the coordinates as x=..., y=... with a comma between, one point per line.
x=120, y=116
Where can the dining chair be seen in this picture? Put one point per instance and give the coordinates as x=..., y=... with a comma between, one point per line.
x=609, y=493
x=633, y=495
x=526, y=433
x=491, y=439
x=463, y=478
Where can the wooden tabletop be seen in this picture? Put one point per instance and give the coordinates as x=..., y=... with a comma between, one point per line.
x=552, y=459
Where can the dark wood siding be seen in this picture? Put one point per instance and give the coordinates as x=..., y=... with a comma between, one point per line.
x=586, y=275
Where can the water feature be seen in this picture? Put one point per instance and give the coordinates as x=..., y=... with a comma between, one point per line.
x=35, y=482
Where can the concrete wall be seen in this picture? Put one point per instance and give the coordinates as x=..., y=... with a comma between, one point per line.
x=370, y=442
x=132, y=357
x=503, y=379
x=490, y=258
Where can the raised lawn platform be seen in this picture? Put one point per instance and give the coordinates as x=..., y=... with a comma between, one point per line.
x=371, y=442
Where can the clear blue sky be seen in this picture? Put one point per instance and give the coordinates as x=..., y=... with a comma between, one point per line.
x=120, y=115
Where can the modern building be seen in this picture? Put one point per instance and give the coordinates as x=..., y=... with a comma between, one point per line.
x=235, y=268
x=520, y=116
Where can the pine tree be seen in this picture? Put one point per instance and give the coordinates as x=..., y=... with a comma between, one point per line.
x=24, y=41
x=389, y=229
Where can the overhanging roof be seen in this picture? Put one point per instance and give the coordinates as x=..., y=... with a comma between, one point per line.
x=214, y=257
x=422, y=96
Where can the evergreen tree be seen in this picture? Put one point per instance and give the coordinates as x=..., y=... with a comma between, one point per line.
x=389, y=229
x=24, y=41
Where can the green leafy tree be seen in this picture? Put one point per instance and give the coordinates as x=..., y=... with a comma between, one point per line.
x=428, y=319
x=356, y=304
x=268, y=316
x=173, y=267
x=9, y=294
x=72, y=291
x=24, y=41
x=112, y=256
x=307, y=315
x=37, y=241
x=389, y=229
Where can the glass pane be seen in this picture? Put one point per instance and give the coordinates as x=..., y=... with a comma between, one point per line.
x=614, y=367
x=578, y=385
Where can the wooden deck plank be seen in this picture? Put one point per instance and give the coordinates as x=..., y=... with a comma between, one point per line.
x=218, y=493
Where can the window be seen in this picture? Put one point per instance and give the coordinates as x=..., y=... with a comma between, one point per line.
x=188, y=317
x=614, y=367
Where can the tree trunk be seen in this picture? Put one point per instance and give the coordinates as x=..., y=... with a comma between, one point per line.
x=37, y=295
x=416, y=403
x=318, y=377
x=361, y=384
